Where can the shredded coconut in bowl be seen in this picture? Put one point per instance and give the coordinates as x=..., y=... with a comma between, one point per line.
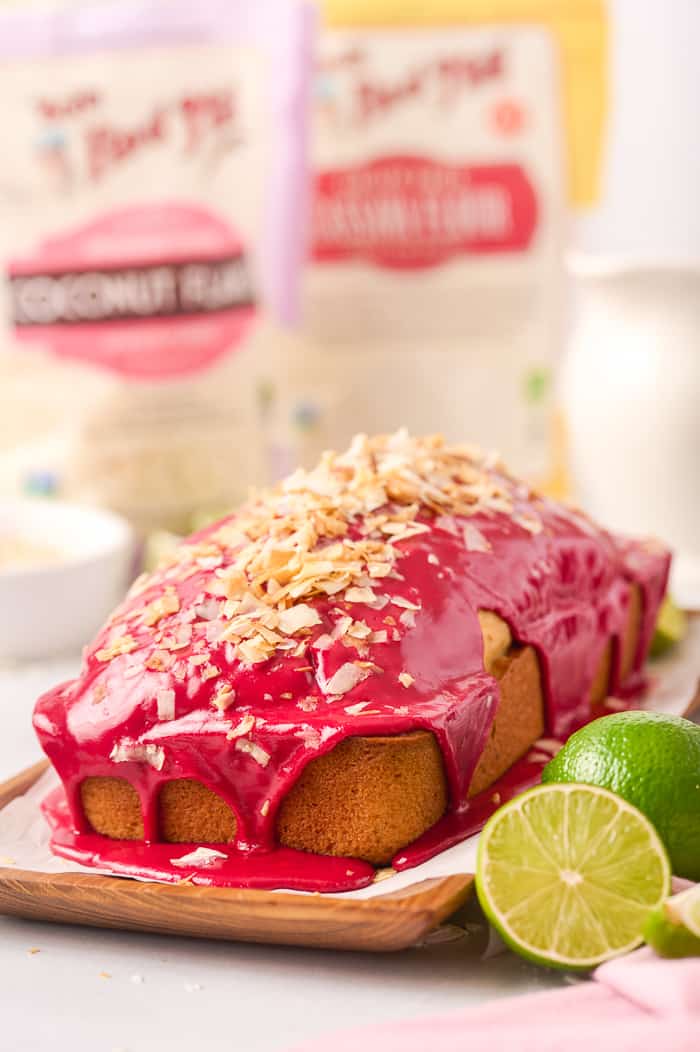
x=17, y=552
x=148, y=222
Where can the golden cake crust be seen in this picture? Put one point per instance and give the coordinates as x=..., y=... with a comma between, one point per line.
x=369, y=796
x=366, y=798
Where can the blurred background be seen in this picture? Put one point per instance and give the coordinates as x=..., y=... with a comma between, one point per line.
x=234, y=236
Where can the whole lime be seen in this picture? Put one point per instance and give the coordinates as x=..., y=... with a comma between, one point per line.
x=653, y=762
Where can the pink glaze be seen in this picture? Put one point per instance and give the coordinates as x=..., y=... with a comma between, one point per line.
x=565, y=590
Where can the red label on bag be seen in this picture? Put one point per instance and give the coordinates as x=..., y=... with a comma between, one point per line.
x=407, y=212
x=149, y=292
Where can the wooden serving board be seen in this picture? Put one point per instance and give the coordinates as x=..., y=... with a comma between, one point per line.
x=393, y=921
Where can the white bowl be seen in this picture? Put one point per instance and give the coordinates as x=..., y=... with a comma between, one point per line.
x=56, y=607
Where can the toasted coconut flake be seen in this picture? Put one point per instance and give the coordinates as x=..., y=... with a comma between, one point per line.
x=359, y=595
x=224, y=697
x=160, y=660
x=550, y=745
x=341, y=627
x=406, y=604
x=355, y=710
x=359, y=630
x=474, y=539
x=378, y=570
x=128, y=751
x=535, y=756
x=181, y=638
x=310, y=736
x=99, y=693
x=121, y=645
x=201, y=857
x=532, y=523
x=410, y=529
x=243, y=727
x=166, y=604
x=265, y=808
x=383, y=874
x=252, y=749
x=254, y=651
x=307, y=704
x=298, y=617
x=406, y=679
x=347, y=677
x=165, y=703
x=408, y=619
x=208, y=610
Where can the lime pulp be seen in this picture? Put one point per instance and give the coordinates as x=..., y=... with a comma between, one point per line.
x=568, y=873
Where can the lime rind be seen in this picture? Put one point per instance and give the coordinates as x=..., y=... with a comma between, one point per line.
x=650, y=759
x=568, y=873
x=666, y=929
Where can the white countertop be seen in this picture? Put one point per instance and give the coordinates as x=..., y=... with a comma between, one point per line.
x=89, y=990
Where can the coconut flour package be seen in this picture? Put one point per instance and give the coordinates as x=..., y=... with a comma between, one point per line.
x=432, y=295
x=151, y=210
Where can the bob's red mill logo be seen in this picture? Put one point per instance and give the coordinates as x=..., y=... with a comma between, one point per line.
x=442, y=80
x=190, y=120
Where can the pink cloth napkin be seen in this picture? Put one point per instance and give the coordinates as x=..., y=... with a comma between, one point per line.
x=637, y=1003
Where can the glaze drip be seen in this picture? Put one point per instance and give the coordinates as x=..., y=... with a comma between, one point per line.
x=370, y=627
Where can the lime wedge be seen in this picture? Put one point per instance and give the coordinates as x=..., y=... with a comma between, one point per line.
x=671, y=627
x=568, y=873
x=689, y=909
x=673, y=929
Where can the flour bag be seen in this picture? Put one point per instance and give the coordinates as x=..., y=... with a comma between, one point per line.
x=433, y=291
x=151, y=212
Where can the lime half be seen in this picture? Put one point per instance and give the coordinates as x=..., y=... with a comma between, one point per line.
x=673, y=930
x=568, y=873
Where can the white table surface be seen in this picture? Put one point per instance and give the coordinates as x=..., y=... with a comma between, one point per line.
x=89, y=990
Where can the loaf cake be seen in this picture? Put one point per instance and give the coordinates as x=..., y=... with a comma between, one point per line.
x=351, y=658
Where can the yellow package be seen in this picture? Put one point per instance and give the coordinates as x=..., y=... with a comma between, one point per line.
x=449, y=142
x=580, y=31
